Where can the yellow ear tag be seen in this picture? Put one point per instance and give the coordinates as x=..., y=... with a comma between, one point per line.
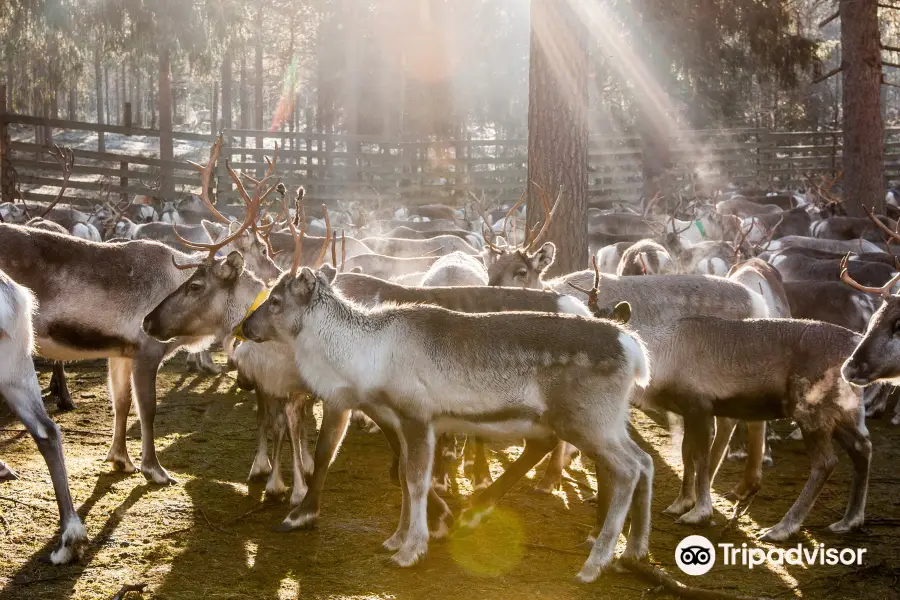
x=260, y=298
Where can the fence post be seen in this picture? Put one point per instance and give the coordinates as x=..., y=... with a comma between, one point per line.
x=7, y=180
x=123, y=166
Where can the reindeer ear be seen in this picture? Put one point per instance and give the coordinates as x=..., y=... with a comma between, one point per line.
x=621, y=313
x=304, y=283
x=230, y=268
x=543, y=258
x=328, y=273
x=213, y=230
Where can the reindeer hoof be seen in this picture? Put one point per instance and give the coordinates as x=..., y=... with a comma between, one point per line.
x=158, y=475
x=123, y=465
x=844, y=526
x=775, y=534
x=695, y=516
x=8, y=475
x=407, y=558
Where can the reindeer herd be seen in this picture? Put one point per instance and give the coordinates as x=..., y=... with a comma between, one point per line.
x=438, y=321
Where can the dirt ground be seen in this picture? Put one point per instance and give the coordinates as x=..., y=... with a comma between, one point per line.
x=210, y=536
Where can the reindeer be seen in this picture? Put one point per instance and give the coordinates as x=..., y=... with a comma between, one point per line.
x=835, y=246
x=225, y=302
x=645, y=257
x=19, y=385
x=594, y=365
x=405, y=248
x=873, y=360
x=93, y=298
x=658, y=299
x=798, y=375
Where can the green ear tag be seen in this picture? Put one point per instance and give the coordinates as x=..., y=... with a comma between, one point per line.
x=700, y=229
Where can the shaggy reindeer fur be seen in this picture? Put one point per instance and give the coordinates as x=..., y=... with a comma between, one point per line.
x=19, y=385
x=573, y=377
x=93, y=312
x=645, y=257
x=798, y=377
x=224, y=292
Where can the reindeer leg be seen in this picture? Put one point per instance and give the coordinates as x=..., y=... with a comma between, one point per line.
x=687, y=498
x=120, y=392
x=823, y=460
x=143, y=374
x=535, y=451
x=481, y=471
x=275, y=484
x=624, y=472
x=206, y=363
x=756, y=447
x=703, y=429
x=441, y=481
x=60, y=387
x=295, y=413
x=264, y=411
x=857, y=445
x=638, y=544
x=560, y=459
x=418, y=441
x=24, y=398
x=6, y=473
x=334, y=427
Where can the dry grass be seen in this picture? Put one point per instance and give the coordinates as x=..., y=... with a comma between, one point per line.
x=210, y=536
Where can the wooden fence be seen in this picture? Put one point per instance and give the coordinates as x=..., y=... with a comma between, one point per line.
x=375, y=170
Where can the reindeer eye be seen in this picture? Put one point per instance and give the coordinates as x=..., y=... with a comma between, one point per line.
x=195, y=286
x=275, y=302
x=521, y=273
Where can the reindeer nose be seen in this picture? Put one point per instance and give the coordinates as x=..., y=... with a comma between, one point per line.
x=856, y=372
x=147, y=325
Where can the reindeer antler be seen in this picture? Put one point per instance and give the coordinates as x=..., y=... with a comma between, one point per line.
x=594, y=293
x=66, y=159
x=252, y=210
x=549, y=214
x=768, y=239
x=883, y=291
x=206, y=174
x=892, y=234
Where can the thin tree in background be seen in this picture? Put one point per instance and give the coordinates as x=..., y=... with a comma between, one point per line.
x=863, y=151
x=558, y=127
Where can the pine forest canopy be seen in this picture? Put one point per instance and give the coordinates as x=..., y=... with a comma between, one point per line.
x=426, y=67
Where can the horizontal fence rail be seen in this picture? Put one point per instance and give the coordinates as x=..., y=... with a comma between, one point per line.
x=370, y=169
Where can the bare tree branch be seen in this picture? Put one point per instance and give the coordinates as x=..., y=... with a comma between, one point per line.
x=829, y=74
x=830, y=19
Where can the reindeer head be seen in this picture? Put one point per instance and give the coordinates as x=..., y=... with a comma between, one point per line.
x=12, y=213
x=877, y=358
x=280, y=317
x=521, y=265
x=208, y=303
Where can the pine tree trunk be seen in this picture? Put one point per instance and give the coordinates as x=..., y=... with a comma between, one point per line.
x=167, y=186
x=139, y=97
x=226, y=90
x=98, y=91
x=863, y=152
x=73, y=101
x=558, y=128
x=214, y=113
x=106, y=94
x=258, y=83
x=243, y=99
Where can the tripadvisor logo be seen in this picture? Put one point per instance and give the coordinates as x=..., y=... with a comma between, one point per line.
x=696, y=555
